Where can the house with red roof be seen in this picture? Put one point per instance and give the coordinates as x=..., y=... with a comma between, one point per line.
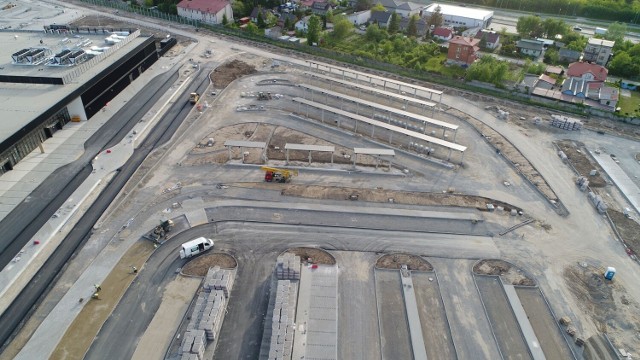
x=587, y=81
x=491, y=38
x=463, y=50
x=207, y=11
x=442, y=33
x=588, y=72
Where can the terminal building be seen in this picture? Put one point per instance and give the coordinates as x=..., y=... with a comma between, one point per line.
x=49, y=78
x=462, y=17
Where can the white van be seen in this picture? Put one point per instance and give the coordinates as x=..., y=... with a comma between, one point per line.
x=195, y=247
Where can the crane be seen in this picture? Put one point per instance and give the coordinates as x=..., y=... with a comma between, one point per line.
x=278, y=175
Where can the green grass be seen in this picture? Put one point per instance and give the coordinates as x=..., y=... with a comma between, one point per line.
x=630, y=106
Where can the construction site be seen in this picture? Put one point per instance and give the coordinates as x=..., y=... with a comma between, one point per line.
x=307, y=209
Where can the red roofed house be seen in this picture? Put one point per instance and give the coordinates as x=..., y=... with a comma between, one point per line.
x=587, y=72
x=207, y=11
x=442, y=33
x=463, y=50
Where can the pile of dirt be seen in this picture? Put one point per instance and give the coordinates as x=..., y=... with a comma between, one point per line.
x=201, y=264
x=313, y=255
x=577, y=156
x=223, y=75
x=399, y=197
x=607, y=302
x=628, y=229
x=395, y=261
x=508, y=272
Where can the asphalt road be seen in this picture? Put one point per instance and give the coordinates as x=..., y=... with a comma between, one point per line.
x=44, y=279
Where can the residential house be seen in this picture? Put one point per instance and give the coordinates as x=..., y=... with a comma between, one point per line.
x=588, y=72
x=587, y=81
x=546, y=82
x=568, y=55
x=598, y=51
x=530, y=47
x=360, y=17
x=273, y=33
x=254, y=14
x=554, y=70
x=382, y=18
x=207, y=11
x=608, y=96
x=491, y=38
x=462, y=50
x=442, y=33
x=303, y=24
x=283, y=19
x=529, y=83
x=321, y=7
x=421, y=25
x=306, y=4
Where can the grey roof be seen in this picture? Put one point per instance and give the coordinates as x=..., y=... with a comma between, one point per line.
x=409, y=6
x=421, y=25
x=380, y=17
x=574, y=86
x=388, y=3
x=530, y=44
x=569, y=54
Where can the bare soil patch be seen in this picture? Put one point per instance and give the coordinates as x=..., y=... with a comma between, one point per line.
x=399, y=197
x=577, y=155
x=395, y=261
x=510, y=152
x=313, y=255
x=223, y=75
x=509, y=273
x=78, y=337
x=611, y=309
x=201, y=264
x=628, y=229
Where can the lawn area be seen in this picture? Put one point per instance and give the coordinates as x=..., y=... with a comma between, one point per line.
x=630, y=106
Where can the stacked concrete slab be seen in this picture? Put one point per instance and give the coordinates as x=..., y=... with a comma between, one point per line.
x=565, y=123
x=288, y=267
x=208, y=313
x=597, y=201
x=219, y=279
x=282, y=326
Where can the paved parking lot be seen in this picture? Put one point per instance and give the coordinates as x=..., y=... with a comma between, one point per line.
x=435, y=328
x=503, y=321
x=394, y=330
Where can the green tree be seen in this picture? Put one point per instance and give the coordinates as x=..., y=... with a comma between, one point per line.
x=253, y=29
x=394, y=23
x=225, y=21
x=616, y=32
x=622, y=64
x=436, y=19
x=378, y=7
x=552, y=27
x=342, y=27
x=238, y=8
x=287, y=23
x=148, y=3
x=329, y=16
x=551, y=56
x=375, y=34
x=529, y=26
x=488, y=69
x=260, y=19
x=313, y=31
x=412, y=27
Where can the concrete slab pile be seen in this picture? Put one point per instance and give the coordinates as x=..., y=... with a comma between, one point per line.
x=283, y=326
x=288, y=267
x=208, y=313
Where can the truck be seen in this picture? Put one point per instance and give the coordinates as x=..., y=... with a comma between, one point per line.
x=600, y=31
x=194, y=97
x=278, y=175
x=195, y=247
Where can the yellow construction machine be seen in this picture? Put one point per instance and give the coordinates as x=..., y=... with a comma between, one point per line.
x=278, y=175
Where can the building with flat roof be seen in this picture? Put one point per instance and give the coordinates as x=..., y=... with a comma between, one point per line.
x=598, y=51
x=49, y=78
x=459, y=17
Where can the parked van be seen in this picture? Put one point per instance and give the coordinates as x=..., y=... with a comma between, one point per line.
x=195, y=247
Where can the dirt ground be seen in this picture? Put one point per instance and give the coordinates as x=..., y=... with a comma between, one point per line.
x=508, y=272
x=628, y=228
x=510, y=152
x=577, y=155
x=201, y=264
x=223, y=75
x=399, y=197
x=312, y=255
x=80, y=334
x=612, y=311
x=395, y=261
x=276, y=137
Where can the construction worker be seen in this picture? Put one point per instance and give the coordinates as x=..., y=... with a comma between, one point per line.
x=98, y=288
x=135, y=269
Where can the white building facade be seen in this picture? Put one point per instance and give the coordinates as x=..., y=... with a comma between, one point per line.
x=459, y=17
